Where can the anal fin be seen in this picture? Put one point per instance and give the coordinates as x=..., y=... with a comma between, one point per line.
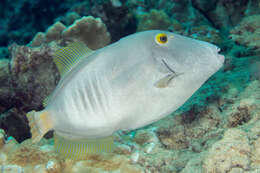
x=81, y=148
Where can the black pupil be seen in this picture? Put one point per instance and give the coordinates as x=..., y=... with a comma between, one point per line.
x=163, y=39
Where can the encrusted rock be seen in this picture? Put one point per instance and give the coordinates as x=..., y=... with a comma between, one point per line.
x=239, y=118
x=246, y=33
x=6, y=93
x=34, y=74
x=173, y=138
x=53, y=166
x=156, y=19
x=11, y=169
x=143, y=137
x=233, y=151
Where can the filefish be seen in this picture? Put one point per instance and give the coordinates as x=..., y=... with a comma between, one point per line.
x=124, y=86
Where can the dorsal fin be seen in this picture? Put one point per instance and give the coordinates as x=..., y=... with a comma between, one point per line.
x=65, y=58
x=46, y=101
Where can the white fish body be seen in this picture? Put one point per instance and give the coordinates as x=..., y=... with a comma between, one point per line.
x=115, y=89
x=131, y=83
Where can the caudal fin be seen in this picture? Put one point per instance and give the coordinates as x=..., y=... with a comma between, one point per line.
x=40, y=123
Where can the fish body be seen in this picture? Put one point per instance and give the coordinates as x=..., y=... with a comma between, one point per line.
x=129, y=84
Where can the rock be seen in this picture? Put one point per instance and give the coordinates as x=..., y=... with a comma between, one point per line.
x=53, y=166
x=239, y=118
x=34, y=75
x=6, y=93
x=14, y=122
x=246, y=33
x=39, y=169
x=236, y=170
x=2, y=138
x=11, y=169
x=142, y=137
x=3, y=158
x=10, y=145
x=221, y=13
x=155, y=19
x=98, y=164
x=256, y=155
x=233, y=151
x=173, y=138
x=205, y=33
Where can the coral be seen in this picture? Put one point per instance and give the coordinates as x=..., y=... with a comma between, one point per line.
x=142, y=137
x=156, y=19
x=246, y=33
x=222, y=13
x=239, y=118
x=118, y=19
x=69, y=18
x=205, y=33
x=11, y=168
x=15, y=124
x=41, y=157
x=256, y=154
x=217, y=130
x=5, y=89
x=233, y=151
x=89, y=30
x=173, y=139
x=26, y=80
x=33, y=75
x=92, y=31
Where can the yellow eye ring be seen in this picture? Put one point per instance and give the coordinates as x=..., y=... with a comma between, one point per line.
x=161, y=38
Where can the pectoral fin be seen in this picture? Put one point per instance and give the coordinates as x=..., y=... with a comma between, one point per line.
x=165, y=81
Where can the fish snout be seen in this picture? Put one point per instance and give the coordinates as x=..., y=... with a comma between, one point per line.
x=221, y=58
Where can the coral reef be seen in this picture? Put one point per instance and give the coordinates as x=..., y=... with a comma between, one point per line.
x=31, y=75
x=247, y=33
x=157, y=20
x=231, y=152
x=217, y=130
x=28, y=157
x=91, y=31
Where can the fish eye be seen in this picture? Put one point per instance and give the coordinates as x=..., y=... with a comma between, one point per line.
x=161, y=38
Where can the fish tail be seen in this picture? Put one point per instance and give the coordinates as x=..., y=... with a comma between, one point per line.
x=40, y=123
